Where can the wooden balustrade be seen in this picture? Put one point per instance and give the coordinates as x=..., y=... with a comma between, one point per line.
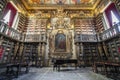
x=111, y=32
x=85, y=38
x=9, y=32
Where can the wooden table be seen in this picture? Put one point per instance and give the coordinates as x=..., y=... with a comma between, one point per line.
x=59, y=62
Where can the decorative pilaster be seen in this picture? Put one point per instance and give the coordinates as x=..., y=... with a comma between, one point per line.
x=1, y=40
x=21, y=49
x=16, y=48
x=105, y=48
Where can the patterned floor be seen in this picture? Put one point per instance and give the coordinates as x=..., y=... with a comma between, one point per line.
x=68, y=73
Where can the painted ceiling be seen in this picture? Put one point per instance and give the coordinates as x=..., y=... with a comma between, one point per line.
x=59, y=2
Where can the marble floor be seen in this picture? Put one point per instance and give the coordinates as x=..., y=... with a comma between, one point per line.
x=68, y=73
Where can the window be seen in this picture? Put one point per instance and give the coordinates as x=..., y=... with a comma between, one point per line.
x=9, y=14
x=114, y=18
x=112, y=15
x=7, y=17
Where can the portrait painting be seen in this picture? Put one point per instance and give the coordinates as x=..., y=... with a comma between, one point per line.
x=60, y=42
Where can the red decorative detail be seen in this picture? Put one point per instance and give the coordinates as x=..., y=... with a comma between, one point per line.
x=1, y=51
x=8, y=7
x=119, y=49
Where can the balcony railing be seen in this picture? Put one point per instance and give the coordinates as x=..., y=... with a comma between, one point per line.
x=85, y=38
x=35, y=38
x=107, y=34
x=14, y=34
x=111, y=32
x=9, y=32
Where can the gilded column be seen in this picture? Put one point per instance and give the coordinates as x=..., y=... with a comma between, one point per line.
x=43, y=53
x=16, y=48
x=77, y=50
x=21, y=49
x=1, y=40
x=39, y=49
x=105, y=49
x=100, y=49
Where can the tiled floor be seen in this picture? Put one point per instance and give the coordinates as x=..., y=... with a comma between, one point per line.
x=68, y=73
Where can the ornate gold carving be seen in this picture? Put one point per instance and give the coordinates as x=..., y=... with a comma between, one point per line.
x=40, y=14
x=60, y=31
x=60, y=23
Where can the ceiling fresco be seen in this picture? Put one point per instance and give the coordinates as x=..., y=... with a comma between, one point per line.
x=55, y=8
x=39, y=3
x=60, y=2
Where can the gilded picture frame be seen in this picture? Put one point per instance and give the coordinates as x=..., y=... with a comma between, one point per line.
x=60, y=42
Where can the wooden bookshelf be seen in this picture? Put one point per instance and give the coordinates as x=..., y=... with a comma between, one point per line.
x=113, y=47
x=8, y=53
x=99, y=24
x=41, y=54
x=22, y=23
x=84, y=30
x=27, y=54
x=84, y=26
x=91, y=54
x=79, y=51
x=33, y=53
x=36, y=30
x=87, y=53
x=16, y=55
x=36, y=26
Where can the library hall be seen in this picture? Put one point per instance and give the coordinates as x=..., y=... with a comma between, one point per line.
x=59, y=39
